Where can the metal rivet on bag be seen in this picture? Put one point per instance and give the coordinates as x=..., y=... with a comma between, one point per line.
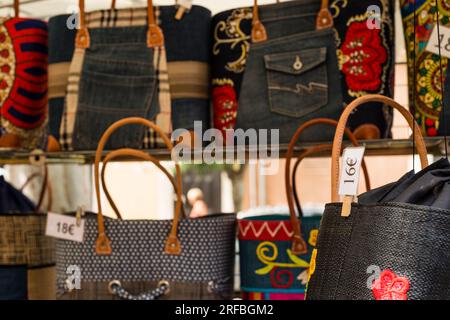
x=111, y=286
x=298, y=64
x=166, y=284
x=37, y=157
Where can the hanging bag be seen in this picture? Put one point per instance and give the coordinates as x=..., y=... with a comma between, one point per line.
x=291, y=75
x=275, y=250
x=149, y=259
x=365, y=40
x=125, y=64
x=23, y=82
x=387, y=249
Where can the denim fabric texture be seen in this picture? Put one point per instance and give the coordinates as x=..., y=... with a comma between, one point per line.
x=13, y=283
x=292, y=77
x=118, y=80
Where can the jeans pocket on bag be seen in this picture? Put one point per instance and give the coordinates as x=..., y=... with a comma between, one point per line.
x=297, y=81
x=106, y=98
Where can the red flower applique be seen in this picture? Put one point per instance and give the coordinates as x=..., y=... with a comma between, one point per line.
x=225, y=107
x=363, y=56
x=390, y=287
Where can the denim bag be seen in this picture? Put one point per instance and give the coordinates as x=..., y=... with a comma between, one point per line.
x=292, y=73
x=119, y=69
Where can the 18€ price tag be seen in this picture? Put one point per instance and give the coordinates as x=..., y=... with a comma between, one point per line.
x=351, y=168
x=442, y=38
x=64, y=227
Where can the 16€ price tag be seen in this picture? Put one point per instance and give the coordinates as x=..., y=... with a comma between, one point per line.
x=351, y=168
x=64, y=227
x=442, y=38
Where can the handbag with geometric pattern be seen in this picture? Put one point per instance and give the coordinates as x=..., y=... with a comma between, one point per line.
x=148, y=259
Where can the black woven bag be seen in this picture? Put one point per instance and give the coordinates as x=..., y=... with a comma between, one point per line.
x=383, y=250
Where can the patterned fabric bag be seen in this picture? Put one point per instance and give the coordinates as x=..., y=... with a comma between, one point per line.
x=292, y=61
x=425, y=91
x=23, y=82
x=149, y=259
x=120, y=68
x=27, y=256
x=232, y=32
x=393, y=244
x=366, y=55
x=117, y=62
x=274, y=255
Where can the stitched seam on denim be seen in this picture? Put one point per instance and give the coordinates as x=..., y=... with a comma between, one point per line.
x=304, y=111
x=123, y=62
x=90, y=107
x=273, y=61
x=298, y=36
x=122, y=81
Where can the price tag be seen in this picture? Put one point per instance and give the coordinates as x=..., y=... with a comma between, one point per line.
x=64, y=227
x=351, y=168
x=443, y=37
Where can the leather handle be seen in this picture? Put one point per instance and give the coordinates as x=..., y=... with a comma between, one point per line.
x=259, y=34
x=16, y=8
x=140, y=155
x=103, y=244
x=298, y=243
x=313, y=151
x=337, y=143
x=45, y=188
x=155, y=36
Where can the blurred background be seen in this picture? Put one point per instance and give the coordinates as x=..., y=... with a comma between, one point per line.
x=142, y=192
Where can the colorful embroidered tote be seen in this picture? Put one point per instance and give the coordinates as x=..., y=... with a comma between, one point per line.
x=23, y=82
x=361, y=72
x=425, y=90
x=394, y=243
x=366, y=55
x=275, y=249
x=181, y=259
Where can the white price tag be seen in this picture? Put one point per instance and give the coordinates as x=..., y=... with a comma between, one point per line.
x=64, y=227
x=433, y=42
x=351, y=168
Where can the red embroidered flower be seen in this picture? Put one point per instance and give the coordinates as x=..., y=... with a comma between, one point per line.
x=225, y=107
x=363, y=57
x=390, y=287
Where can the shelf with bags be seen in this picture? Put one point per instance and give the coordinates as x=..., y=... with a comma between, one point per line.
x=386, y=147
